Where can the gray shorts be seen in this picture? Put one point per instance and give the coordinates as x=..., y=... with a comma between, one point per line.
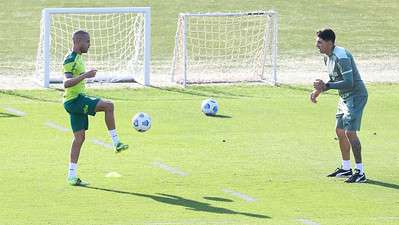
x=350, y=111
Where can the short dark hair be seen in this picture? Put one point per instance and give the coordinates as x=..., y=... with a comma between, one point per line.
x=326, y=34
x=78, y=34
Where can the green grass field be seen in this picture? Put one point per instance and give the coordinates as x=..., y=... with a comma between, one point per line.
x=277, y=148
x=270, y=169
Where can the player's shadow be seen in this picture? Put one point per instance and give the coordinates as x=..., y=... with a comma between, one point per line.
x=7, y=115
x=184, y=202
x=304, y=89
x=203, y=91
x=16, y=94
x=383, y=184
x=218, y=199
x=220, y=116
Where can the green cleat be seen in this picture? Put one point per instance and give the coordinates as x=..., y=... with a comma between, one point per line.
x=120, y=147
x=76, y=181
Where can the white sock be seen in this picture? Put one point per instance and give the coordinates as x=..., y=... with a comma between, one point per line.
x=73, y=167
x=359, y=166
x=114, y=136
x=346, y=164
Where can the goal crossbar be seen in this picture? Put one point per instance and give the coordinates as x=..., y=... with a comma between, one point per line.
x=230, y=14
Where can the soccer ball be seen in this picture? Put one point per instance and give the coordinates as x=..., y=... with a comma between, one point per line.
x=209, y=107
x=141, y=122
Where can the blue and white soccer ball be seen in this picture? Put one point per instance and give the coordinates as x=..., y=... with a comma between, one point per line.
x=209, y=107
x=141, y=122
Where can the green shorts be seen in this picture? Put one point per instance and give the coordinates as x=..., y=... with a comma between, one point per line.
x=349, y=113
x=79, y=108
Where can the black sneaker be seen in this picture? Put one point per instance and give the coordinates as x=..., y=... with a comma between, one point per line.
x=357, y=177
x=339, y=172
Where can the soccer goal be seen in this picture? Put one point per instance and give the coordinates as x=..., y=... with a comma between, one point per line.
x=225, y=47
x=120, y=42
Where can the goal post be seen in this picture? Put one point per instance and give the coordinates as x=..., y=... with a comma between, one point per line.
x=120, y=42
x=225, y=47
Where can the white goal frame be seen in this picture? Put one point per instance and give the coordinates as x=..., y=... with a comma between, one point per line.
x=46, y=32
x=181, y=48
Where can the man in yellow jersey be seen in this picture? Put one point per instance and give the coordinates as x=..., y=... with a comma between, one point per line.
x=79, y=105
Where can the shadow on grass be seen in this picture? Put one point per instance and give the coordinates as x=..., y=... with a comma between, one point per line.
x=7, y=115
x=218, y=199
x=220, y=116
x=204, y=91
x=308, y=89
x=188, y=91
x=25, y=96
x=382, y=184
x=180, y=201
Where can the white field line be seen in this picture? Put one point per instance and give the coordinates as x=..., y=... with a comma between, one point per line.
x=56, y=126
x=169, y=168
x=187, y=222
x=240, y=195
x=307, y=222
x=101, y=143
x=113, y=174
x=15, y=111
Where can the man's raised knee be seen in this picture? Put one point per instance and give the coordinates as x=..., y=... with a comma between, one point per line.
x=109, y=106
x=105, y=106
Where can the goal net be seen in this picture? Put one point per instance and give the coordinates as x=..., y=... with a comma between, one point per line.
x=119, y=42
x=225, y=47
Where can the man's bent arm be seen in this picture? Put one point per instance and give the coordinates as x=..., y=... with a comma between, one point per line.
x=72, y=81
x=347, y=73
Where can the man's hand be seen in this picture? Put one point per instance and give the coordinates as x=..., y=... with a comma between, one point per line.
x=91, y=73
x=72, y=81
x=314, y=95
x=319, y=85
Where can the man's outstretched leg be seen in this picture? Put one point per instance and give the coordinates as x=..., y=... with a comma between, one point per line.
x=108, y=108
x=79, y=138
